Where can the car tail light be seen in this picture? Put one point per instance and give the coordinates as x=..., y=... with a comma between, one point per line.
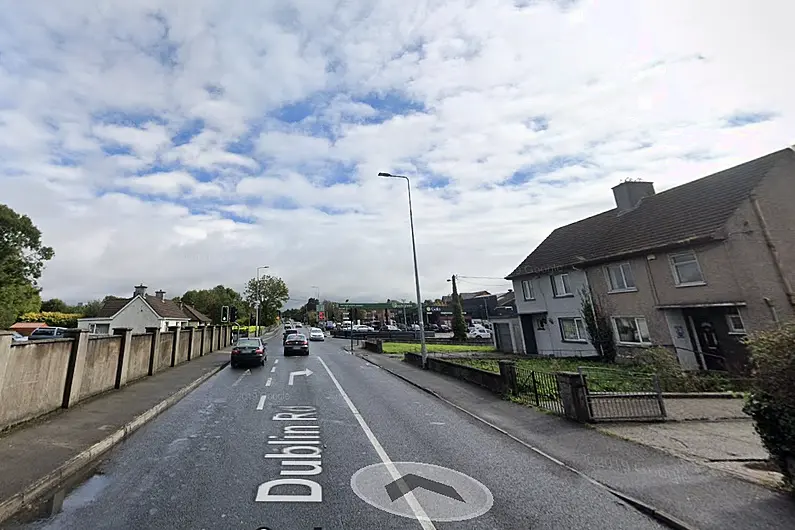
x=304, y=342
x=258, y=350
x=235, y=351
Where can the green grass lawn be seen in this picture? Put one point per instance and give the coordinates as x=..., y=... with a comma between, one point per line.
x=537, y=365
x=405, y=347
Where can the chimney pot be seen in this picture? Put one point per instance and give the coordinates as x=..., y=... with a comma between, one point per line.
x=160, y=295
x=629, y=194
x=140, y=290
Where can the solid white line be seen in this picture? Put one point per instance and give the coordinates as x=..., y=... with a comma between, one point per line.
x=415, y=506
x=241, y=377
x=269, y=381
x=273, y=369
x=261, y=404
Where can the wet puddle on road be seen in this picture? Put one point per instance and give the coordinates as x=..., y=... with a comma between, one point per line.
x=77, y=492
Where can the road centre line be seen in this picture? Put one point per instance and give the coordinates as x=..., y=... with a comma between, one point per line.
x=273, y=369
x=261, y=404
x=269, y=381
x=276, y=361
x=415, y=506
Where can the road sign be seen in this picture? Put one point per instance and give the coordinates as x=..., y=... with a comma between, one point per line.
x=445, y=495
x=321, y=315
x=320, y=308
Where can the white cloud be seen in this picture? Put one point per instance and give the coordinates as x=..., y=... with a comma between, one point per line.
x=584, y=96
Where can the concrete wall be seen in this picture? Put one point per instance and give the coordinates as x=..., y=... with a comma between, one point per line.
x=140, y=348
x=163, y=353
x=206, y=341
x=102, y=359
x=182, y=351
x=32, y=378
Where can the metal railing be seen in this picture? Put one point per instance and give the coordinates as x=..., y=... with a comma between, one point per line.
x=540, y=388
x=616, y=395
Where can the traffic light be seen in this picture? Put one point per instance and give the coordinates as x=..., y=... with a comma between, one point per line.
x=225, y=313
x=233, y=314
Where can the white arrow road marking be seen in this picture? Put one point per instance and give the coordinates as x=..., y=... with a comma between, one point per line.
x=269, y=381
x=261, y=404
x=244, y=374
x=416, y=507
x=273, y=369
x=306, y=371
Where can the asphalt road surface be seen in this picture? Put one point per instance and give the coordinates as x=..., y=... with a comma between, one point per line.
x=328, y=442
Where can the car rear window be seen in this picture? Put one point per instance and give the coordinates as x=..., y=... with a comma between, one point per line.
x=248, y=342
x=297, y=336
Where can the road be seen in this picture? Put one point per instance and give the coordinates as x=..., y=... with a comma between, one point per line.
x=360, y=449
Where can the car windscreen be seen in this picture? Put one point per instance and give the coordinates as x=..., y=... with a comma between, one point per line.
x=248, y=343
x=43, y=332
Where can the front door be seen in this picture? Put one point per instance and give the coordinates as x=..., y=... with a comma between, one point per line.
x=531, y=348
x=720, y=350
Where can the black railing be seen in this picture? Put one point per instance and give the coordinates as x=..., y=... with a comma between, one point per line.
x=539, y=389
x=615, y=395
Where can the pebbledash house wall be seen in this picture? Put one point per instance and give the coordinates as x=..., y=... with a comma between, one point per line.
x=740, y=268
x=550, y=340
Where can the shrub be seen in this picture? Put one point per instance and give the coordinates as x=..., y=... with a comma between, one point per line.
x=63, y=320
x=600, y=333
x=771, y=402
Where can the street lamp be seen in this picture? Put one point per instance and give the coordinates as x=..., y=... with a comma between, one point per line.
x=420, y=320
x=257, y=303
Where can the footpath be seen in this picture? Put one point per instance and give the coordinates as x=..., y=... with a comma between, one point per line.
x=39, y=456
x=682, y=493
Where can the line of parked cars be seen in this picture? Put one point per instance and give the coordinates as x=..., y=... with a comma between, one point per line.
x=42, y=333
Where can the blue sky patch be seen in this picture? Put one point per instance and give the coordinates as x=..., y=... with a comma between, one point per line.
x=188, y=131
x=434, y=182
x=537, y=123
x=137, y=119
x=542, y=168
x=114, y=149
x=389, y=104
x=740, y=119
x=283, y=202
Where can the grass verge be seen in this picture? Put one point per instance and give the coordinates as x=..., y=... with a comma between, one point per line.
x=405, y=347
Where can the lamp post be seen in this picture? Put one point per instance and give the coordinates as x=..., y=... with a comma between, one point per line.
x=258, y=304
x=423, y=347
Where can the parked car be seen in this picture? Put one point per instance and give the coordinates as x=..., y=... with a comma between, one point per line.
x=389, y=328
x=18, y=337
x=296, y=344
x=316, y=334
x=251, y=350
x=48, y=333
x=362, y=328
x=478, y=333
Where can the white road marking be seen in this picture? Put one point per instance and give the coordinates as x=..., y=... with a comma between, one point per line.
x=306, y=371
x=432, y=423
x=273, y=369
x=261, y=404
x=244, y=374
x=415, y=506
x=269, y=381
x=276, y=361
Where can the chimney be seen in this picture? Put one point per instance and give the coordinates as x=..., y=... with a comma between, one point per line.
x=160, y=295
x=140, y=290
x=628, y=194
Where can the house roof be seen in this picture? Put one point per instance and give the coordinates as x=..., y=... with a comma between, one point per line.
x=27, y=325
x=693, y=211
x=506, y=299
x=194, y=313
x=163, y=308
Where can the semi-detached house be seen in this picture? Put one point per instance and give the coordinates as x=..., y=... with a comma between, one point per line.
x=694, y=268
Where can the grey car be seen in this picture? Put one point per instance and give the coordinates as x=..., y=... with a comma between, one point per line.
x=248, y=351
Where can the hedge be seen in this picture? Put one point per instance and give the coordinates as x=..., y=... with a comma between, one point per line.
x=51, y=318
x=771, y=402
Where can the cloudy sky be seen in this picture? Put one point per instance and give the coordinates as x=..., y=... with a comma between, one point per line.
x=184, y=143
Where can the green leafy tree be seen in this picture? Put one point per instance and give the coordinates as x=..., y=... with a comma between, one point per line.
x=459, y=324
x=55, y=305
x=89, y=309
x=22, y=258
x=210, y=302
x=271, y=292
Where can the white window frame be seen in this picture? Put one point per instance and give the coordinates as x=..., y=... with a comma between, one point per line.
x=675, y=271
x=582, y=334
x=527, y=285
x=729, y=315
x=621, y=267
x=555, y=291
x=637, y=326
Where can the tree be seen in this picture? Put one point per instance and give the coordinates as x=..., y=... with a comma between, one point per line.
x=459, y=324
x=55, y=305
x=89, y=309
x=271, y=292
x=599, y=331
x=210, y=302
x=22, y=258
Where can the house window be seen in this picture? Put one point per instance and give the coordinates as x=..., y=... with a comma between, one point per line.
x=632, y=330
x=527, y=290
x=686, y=269
x=560, y=285
x=620, y=277
x=573, y=329
x=735, y=321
